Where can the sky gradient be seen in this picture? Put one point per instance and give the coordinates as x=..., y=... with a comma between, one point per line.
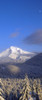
x=18, y=20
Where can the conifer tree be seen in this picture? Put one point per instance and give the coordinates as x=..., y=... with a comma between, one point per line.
x=25, y=90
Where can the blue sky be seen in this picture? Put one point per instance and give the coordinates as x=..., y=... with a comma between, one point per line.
x=19, y=19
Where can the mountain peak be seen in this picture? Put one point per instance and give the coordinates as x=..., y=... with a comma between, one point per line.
x=16, y=54
x=13, y=47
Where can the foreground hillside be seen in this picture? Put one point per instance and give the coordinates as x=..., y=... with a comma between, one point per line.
x=20, y=89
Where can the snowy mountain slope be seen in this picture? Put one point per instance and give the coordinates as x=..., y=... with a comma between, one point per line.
x=15, y=54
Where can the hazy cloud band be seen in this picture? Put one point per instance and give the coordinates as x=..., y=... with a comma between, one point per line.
x=34, y=38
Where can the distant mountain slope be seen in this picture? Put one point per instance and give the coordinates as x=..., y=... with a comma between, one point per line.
x=36, y=60
x=14, y=54
x=32, y=67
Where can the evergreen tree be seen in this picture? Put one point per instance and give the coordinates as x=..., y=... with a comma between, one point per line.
x=25, y=90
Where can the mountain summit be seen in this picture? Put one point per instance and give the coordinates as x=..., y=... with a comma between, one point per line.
x=15, y=54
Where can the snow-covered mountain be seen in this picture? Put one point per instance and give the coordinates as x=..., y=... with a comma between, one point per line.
x=15, y=54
